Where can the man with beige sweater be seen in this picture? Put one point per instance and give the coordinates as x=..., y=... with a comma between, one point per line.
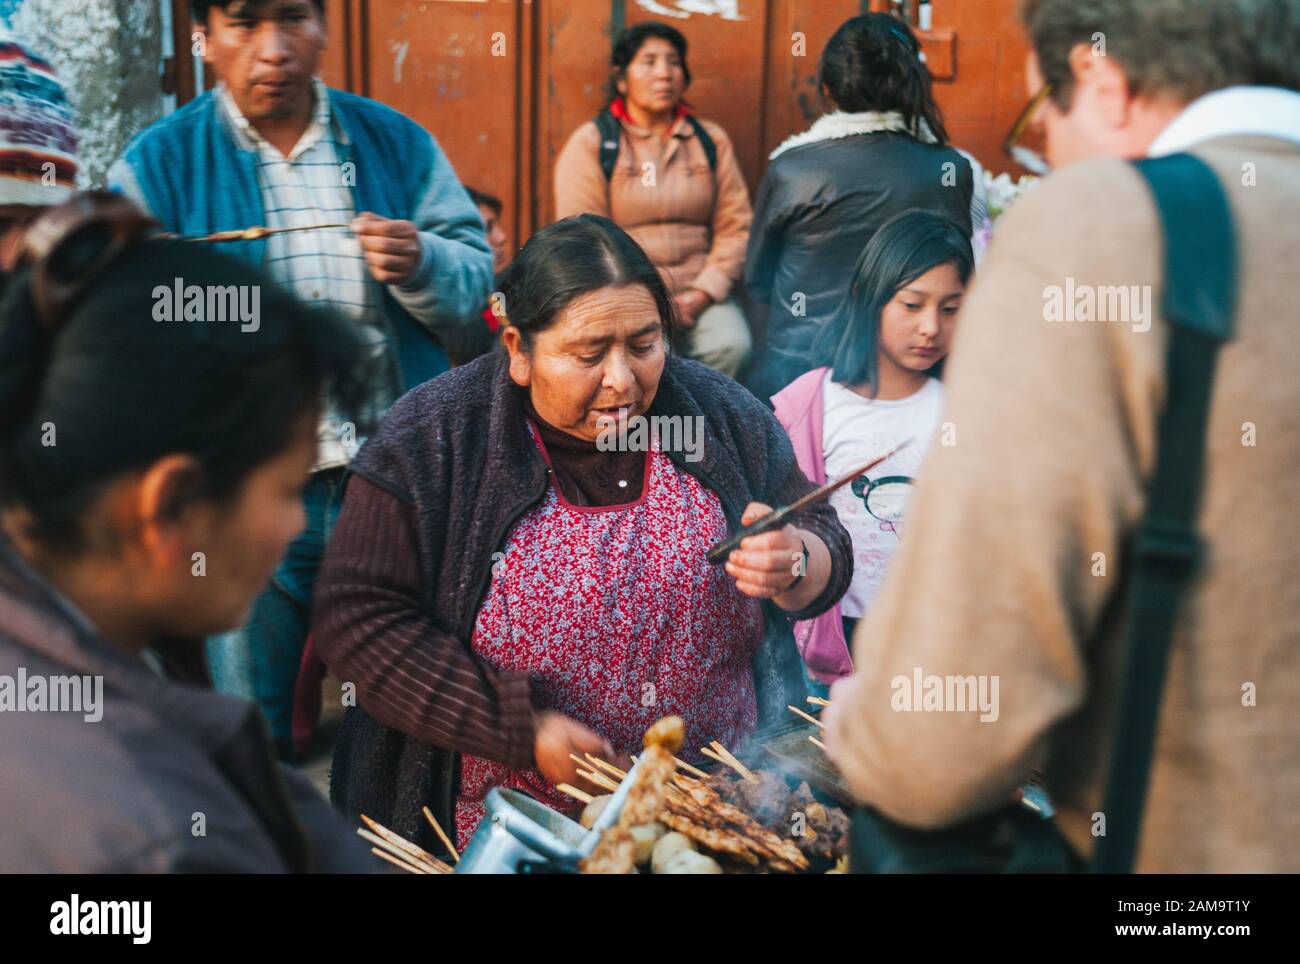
x=1013, y=568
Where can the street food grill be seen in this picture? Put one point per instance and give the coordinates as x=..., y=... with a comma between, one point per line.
x=662, y=816
x=735, y=820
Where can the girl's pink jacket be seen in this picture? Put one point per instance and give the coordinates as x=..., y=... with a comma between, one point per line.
x=799, y=408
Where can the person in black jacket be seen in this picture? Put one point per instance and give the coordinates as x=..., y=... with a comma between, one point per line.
x=881, y=150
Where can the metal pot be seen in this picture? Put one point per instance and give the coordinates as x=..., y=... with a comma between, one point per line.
x=520, y=835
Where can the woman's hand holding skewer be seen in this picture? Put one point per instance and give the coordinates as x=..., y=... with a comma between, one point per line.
x=772, y=565
x=558, y=740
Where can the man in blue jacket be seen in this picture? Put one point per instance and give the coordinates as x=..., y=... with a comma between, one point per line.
x=272, y=145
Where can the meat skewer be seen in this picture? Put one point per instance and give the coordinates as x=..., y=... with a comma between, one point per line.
x=719, y=551
x=258, y=232
x=615, y=851
x=745, y=820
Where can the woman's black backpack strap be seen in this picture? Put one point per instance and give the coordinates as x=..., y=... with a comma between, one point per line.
x=611, y=136
x=706, y=142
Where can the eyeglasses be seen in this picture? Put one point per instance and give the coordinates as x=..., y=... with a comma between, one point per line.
x=67, y=246
x=885, y=498
x=1024, y=144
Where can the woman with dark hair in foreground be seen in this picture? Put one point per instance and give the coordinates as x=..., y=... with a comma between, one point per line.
x=150, y=469
x=510, y=584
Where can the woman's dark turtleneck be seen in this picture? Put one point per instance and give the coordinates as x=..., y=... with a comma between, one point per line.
x=584, y=474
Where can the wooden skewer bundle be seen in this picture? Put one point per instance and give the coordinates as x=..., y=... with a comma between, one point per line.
x=399, y=851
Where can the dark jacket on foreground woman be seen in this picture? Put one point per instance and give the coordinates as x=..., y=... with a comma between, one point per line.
x=431, y=497
x=146, y=775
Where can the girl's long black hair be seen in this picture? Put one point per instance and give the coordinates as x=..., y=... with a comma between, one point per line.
x=906, y=247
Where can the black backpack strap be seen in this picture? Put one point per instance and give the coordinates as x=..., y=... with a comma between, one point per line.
x=611, y=135
x=706, y=142
x=1199, y=302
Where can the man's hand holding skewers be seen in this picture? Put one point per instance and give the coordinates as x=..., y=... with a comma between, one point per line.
x=391, y=247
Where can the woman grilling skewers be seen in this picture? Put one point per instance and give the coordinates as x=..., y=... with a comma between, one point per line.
x=513, y=581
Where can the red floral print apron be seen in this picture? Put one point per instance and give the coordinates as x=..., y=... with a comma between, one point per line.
x=620, y=620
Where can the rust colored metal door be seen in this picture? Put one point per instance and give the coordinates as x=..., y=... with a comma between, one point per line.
x=503, y=83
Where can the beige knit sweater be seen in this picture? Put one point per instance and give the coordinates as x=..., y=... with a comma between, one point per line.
x=1039, y=483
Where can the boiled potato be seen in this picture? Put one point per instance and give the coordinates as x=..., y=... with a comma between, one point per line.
x=592, y=810
x=692, y=862
x=667, y=847
x=646, y=836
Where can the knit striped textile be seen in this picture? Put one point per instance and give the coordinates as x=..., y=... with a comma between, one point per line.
x=38, y=139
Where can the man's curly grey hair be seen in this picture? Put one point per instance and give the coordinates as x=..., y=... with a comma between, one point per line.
x=1180, y=49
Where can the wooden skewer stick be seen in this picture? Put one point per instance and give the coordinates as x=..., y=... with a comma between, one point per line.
x=592, y=763
x=807, y=716
x=818, y=701
x=607, y=767
x=428, y=815
x=690, y=769
x=732, y=762
x=393, y=849
x=719, y=551
x=816, y=742
x=574, y=792
x=258, y=232
x=401, y=842
x=397, y=861
x=598, y=778
x=713, y=756
x=402, y=852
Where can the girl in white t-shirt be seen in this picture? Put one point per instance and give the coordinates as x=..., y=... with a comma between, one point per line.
x=878, y=388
